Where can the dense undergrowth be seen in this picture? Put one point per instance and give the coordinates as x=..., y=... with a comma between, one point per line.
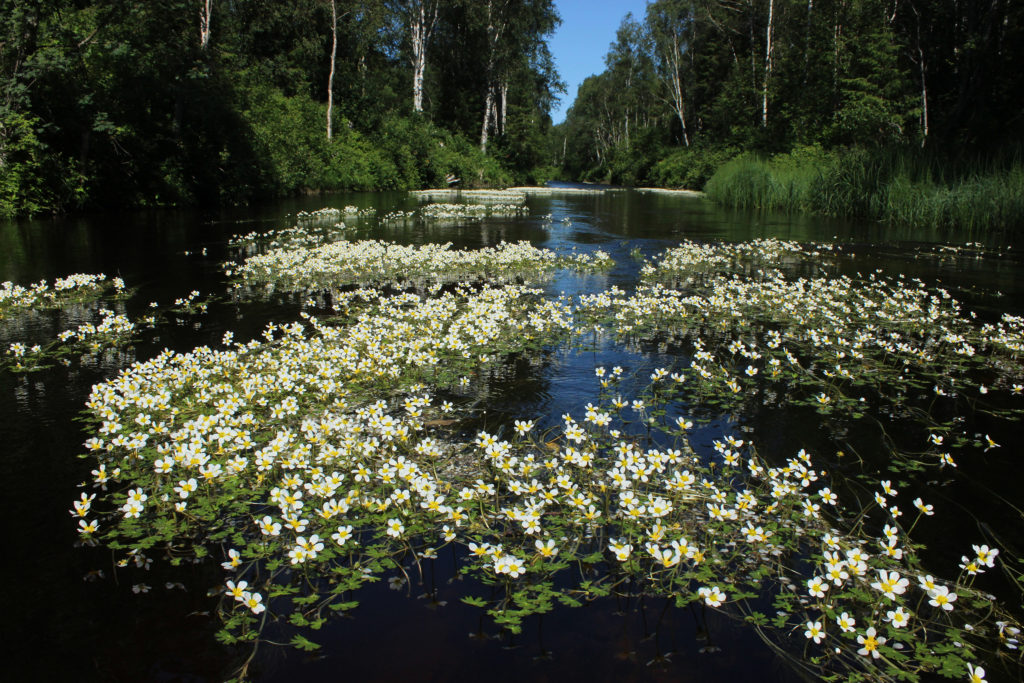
x=272, y=146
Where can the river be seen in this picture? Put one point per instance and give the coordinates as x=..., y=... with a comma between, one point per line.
x=62, y=624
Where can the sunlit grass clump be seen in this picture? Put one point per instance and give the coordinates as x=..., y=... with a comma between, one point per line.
x=899, y=189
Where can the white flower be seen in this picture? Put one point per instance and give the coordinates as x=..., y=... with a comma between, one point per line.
x=814, y=631
x=941, y=597
x=897, y=617
x=870, y=642
x=713, y=596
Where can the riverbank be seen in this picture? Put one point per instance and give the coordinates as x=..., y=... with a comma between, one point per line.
x=899, y=187
x=888, y=187
x=666, y=190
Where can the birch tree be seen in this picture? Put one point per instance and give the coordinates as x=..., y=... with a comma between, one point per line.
x=668, y=24
x=768, y=47
x=334, y=57
x=420, y=18
x=497, y=19
x=205, y=10
x=514, y=34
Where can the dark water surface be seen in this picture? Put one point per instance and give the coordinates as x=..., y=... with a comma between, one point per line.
x=60, y=626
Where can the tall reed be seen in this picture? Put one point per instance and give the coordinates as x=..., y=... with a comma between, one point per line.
x=900, y=188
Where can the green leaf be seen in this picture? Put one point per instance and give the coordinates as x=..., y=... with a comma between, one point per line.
x=474, y=601
x=303, y=643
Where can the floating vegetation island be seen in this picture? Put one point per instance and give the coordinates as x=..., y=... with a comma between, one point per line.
x=377, y=263
x=336, y=450
x=470, y=211
x=513, y=196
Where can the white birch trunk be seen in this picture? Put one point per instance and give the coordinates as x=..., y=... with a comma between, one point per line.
x=491, y=118
x=677, y=88
x=767, y=63
x=419, y=56
x=504, y=103
x=924, y=83
x=334, y=55
x=924, y=97
x=488, y=112
x=204, y=23
x=422, y=15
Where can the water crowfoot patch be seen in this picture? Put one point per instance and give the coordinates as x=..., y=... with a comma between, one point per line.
x=513, y=197
x=304, y=515
x=327, y=455
x=454, y=212
x=376, y=263
x=90, y=312
x=75, y=288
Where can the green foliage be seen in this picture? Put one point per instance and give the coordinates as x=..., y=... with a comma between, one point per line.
x=863, y=74
x=786, y=182
x=117, y=103
x=689, y=167
x=21, y=162
x=288, y=135
x=421, y=154
x=899, y=188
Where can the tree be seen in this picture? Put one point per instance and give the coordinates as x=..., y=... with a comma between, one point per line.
x=419, y=18
x=205, y=10
x=669, y=23
x=334, y=58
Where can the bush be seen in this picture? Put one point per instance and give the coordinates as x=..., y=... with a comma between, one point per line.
x=407, y=152
x=689, y=167
x=424, y=155
x=30, y=181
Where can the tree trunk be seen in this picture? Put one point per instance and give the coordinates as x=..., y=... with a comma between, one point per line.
x=204, y=23
x=924, y=84
x=837, y=33
x=419, y=57
x=488, y=112
x=334, y=55
x=494, y=32
x=504, y=106
x=924, y=99
x=421, y=25
x=767, y=63
x=677, y=88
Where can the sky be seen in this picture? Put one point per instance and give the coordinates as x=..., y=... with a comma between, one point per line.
x=580, y=43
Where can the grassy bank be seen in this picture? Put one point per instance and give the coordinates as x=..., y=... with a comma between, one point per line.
x=898, y=188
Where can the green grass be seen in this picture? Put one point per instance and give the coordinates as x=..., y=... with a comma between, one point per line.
x=900, y=188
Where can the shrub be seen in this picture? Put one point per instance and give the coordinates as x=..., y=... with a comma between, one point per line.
x=689, y=167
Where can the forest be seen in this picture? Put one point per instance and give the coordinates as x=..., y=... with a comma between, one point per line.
x=902, y=111
x=134, y=103
x=907, y=111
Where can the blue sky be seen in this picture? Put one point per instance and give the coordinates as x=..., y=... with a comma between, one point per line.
x=580, y=43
